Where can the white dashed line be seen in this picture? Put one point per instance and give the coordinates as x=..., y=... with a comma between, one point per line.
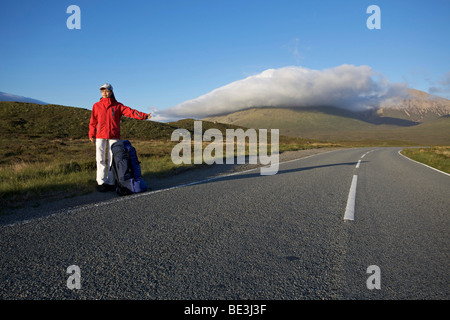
x=350, y=209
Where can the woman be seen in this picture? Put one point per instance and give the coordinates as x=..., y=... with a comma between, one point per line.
x=104, y=130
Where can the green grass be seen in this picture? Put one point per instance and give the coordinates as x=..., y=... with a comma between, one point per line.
x=52, y=169
x=436, y=157
x=25, y=181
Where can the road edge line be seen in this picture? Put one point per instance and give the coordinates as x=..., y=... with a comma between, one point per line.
x=400, y=153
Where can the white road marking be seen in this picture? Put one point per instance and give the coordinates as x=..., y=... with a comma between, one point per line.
x=365, y=154
x=350, y=209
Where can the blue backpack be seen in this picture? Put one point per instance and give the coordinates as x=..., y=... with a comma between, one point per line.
x=127, y=169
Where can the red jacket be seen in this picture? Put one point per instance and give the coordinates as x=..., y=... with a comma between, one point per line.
x=105, y=118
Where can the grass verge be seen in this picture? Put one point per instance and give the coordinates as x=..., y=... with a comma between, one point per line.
x=436, y=157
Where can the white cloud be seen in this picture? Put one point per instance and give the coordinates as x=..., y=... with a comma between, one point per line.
x=346, y=86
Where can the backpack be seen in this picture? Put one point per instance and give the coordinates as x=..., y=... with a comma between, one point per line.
x=127, y=169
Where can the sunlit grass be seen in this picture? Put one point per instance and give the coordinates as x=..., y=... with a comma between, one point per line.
x=436, y=157
x=24, y=181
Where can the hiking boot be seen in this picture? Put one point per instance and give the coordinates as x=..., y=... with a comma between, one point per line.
x=101, y=188
x=106, y=187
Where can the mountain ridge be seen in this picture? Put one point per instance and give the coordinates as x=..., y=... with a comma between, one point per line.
x=419, y=106
x=411, y=118
x=15, y=98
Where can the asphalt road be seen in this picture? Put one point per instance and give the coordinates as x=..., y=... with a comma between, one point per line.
x=248, y=236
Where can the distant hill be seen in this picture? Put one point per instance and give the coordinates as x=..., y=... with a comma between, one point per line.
x=12, y=97
x=31, y=120
x=55, y=121
x=420, y=119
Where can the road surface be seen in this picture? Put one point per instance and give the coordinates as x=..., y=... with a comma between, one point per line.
x=309, y=232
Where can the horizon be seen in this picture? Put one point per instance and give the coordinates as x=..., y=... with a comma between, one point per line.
x=159, y=56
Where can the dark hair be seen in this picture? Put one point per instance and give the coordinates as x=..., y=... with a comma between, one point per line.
x=112, y=97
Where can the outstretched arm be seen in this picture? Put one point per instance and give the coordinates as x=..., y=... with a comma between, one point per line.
x=131, y=113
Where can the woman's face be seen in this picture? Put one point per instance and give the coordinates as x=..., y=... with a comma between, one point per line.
x=106, y=93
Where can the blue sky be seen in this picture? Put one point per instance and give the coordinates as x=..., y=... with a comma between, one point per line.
x=158, y=54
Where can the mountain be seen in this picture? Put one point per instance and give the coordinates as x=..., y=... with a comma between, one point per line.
x=12, y=97
x=418, y=107
x=420, y=118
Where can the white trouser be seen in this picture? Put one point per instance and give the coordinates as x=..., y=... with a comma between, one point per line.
x=103, y=157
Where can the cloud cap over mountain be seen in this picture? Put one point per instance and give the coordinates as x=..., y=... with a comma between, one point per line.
x=349, y=87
